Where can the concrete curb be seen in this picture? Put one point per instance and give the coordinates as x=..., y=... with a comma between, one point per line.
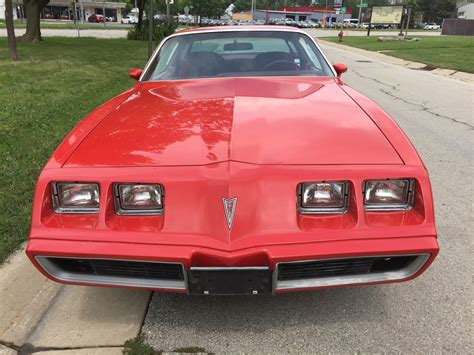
x=41, y=316
x=4, y=350
x=448, y=73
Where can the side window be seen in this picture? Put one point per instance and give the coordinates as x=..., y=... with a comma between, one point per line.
x=310, y=53
x=165, y=57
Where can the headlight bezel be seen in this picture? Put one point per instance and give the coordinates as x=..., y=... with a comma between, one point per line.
x=119, y=210
x=324, y=210
x=56, y=200
x=374, y=207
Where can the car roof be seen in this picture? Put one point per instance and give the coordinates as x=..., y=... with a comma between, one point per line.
x=240, y=28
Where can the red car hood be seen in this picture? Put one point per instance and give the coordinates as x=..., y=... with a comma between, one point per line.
x=253, y=120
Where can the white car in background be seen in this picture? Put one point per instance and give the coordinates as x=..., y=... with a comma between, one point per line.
x=129, y=19
x=432, y=26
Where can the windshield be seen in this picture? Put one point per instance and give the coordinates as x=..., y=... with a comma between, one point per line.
x=237, y=54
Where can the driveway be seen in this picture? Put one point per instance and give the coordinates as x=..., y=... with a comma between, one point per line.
x=430, y=314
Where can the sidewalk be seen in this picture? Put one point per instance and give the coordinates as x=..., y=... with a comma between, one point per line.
x=40, y=316
x=467, y=77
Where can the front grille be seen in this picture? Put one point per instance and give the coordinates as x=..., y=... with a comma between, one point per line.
x=131, y=273
x=121, y=268
x=342, y=267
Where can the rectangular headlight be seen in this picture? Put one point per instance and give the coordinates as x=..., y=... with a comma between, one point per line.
x=139, y=198
x=72, y=197
x=388, y=195
x=323, y=197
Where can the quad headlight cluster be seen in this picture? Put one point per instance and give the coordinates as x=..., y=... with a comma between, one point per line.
x=332, y=197
x=130, y=199
x=325, y=197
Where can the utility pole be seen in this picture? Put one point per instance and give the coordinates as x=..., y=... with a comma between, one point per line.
x=76, y=22
x=82, y=11
x=103, y=11
x=360, y=11
x=252, y=9
x=408, y=21
x=168, y=10
x=267, y=14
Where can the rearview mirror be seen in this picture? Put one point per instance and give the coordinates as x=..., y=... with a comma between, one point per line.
x=135, y=73
x=340, y=69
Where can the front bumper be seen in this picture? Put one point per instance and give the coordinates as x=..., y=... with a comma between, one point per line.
x=421, y=251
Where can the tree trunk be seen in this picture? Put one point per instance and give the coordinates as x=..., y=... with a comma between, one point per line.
x=141, y=7
x=10, y=30
x=33, y=9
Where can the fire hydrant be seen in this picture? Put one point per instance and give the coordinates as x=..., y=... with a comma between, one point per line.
x=340, y=35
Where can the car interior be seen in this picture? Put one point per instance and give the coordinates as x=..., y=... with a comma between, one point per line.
x=188, y=58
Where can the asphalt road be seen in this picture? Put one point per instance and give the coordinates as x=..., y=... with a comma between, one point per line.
x=430, y=314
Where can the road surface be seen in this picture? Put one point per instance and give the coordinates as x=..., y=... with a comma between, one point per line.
x=430, y=314
x=118, y=33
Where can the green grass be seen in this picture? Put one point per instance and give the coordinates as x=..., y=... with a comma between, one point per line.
x=191, y=350
x=450, y=52
x=42, y=97
x=71, y=26
x=137, y=346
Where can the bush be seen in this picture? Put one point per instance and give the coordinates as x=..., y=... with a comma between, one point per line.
x=160, y=31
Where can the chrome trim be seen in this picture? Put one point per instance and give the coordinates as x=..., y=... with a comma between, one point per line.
x=80, y=210
x=61, y=275
x=124, y=212
x=243, y=29
x=223, y=268
x=230, y=205
x=401, y=274
x=321, y=210
x=404, y=207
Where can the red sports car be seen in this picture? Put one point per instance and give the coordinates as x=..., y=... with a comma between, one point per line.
x=239, y=163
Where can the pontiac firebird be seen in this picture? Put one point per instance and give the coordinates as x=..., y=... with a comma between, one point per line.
x=239, y=163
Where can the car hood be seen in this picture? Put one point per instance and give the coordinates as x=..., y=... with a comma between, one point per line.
x=253, y=120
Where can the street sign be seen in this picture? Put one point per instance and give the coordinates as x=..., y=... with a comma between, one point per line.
x=364, y=5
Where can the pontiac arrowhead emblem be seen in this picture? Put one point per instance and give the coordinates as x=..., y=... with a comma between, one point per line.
x=229, y=209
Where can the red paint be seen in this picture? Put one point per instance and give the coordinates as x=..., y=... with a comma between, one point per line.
x=251, y=138
x=340, y=68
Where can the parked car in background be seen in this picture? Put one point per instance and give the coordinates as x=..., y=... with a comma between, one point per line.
x=215, y=175
x=96, y=18
x=432, y=26
x=129, y=19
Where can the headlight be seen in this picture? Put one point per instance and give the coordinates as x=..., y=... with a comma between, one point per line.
x=70, y=197
x=323, y=197
x=139, y=198
x=388, y=195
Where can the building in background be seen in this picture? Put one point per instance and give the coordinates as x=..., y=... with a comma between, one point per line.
x=465, y=10
x=302, y=13
x=58, y=10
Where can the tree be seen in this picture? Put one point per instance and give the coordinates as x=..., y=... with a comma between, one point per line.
x=10, y=30
x=33, y=9
x=209, y=8
x=435, y=10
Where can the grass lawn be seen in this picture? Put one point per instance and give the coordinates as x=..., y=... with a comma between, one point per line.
x=451, y=52
x=42, y=97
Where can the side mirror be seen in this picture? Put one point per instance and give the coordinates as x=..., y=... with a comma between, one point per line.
x=135, y=73
x=340, y=69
